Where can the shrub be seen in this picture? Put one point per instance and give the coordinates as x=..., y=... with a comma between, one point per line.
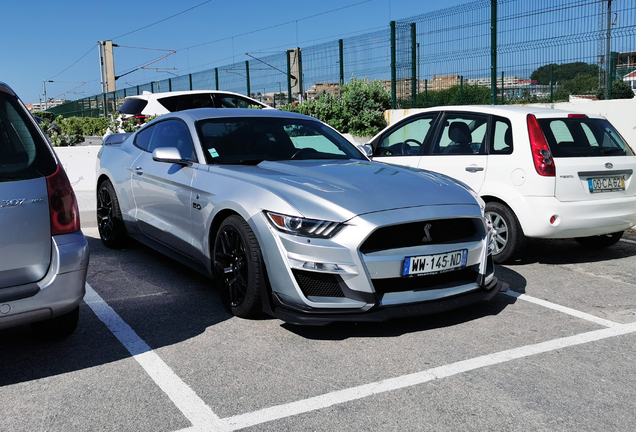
x=359, y=110
x=620, y=90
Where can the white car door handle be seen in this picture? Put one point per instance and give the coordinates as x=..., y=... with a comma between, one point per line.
x=474, y=168
x=139, y=170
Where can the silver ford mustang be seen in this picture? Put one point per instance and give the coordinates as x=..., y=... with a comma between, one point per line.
x=289, y=218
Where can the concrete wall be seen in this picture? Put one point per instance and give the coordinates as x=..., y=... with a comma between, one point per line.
x=620, y=112
x=79, y=162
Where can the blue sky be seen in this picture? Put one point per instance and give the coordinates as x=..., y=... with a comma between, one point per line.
x=58, y=40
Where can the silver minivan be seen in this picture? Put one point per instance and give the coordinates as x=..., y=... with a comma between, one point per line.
x=43, y=253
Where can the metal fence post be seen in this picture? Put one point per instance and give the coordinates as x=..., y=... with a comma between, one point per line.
x=461, y=90
x=247, y=71
x=289, y=89
x=414, y=80
x=393, y=67
x=300, y=78
x=216, y=77
x=551, y=83
x=502, y=87
x=169, y=84
x=493, y=52
x=425, y=93
x=137, y=90
x=190, y=76
x=341, y=49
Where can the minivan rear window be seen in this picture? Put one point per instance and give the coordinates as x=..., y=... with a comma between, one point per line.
x=582, y=137
x=24, y=154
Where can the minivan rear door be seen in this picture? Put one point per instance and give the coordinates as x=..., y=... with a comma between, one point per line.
x=25, y=226
x=592, y=161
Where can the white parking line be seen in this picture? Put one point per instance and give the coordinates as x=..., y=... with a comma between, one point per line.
x=354, y=393
x=203, y=418
x=184, y=398
x=563, y=309
x=628, y=241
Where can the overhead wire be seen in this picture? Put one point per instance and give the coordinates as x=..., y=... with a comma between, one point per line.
x=277, y=25
x=162, y=20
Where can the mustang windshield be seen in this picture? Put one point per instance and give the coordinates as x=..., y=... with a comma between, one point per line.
x=250, y=140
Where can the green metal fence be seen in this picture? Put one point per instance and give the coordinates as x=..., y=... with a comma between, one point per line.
x=482, y=52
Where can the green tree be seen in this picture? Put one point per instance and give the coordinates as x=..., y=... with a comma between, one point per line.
x=563, y=72
x=580, y=85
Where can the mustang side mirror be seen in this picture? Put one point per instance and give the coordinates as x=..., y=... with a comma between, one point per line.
x=366, y=150
x=169, y=155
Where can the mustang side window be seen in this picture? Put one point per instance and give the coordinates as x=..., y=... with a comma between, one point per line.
x=406, y=140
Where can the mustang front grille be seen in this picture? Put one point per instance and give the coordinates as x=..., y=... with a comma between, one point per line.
x=420, y=233
x=424, y=283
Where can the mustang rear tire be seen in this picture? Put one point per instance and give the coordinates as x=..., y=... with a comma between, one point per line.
x=508, y=237
x=601, y=241
x=109, y=220
x=238, y=268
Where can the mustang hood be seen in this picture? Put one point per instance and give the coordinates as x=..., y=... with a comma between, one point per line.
x=339, y=190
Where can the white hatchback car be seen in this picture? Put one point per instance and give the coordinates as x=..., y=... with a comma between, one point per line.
x=543, y=173
x=154, y=104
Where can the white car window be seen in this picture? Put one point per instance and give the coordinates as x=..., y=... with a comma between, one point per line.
x=502, y=138
x=406, y=140
x=462, y=134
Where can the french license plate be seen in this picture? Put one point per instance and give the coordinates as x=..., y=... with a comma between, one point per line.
x=606, y=184
x=433, y=264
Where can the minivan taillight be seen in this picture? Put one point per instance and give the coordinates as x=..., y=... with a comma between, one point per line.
x=541, y=156
x=63, y=206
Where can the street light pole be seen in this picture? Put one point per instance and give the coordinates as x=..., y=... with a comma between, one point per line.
x=46, y=99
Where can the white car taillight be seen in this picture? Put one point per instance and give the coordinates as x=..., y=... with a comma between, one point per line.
x=541, y=156
x=63, y=207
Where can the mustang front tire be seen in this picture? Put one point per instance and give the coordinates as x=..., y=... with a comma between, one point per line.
x=109, y=220
x=238, y=268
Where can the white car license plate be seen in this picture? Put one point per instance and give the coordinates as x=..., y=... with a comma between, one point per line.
x=432, y=264
x=606, y=184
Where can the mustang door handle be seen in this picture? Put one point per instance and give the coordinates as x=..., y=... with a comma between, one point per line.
x=474, y=168
x=140, y=170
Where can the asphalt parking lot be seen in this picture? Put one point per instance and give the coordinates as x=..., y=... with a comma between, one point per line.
x=155, y=351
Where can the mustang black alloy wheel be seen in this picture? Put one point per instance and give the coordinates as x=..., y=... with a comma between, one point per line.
x=109, y=220
x=238, y=269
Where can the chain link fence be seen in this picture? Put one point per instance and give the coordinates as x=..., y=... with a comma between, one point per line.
x=481, y=52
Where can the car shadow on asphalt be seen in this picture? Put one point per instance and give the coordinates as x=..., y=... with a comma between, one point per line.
x=567, y=251
x=400, y=326
x=163, y=301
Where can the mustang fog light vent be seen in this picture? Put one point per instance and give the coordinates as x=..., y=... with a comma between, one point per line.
x=322, y=267
x=304, y=227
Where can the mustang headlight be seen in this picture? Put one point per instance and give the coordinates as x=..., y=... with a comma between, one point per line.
x=304, y=227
